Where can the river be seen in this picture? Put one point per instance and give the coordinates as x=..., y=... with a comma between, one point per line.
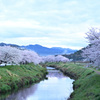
x=56, y=87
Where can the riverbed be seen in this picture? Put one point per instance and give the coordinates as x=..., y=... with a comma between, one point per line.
x=56, y=87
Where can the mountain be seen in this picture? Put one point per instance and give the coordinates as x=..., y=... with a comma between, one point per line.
x=5, y=44
x=76, y=56
x=41, y=50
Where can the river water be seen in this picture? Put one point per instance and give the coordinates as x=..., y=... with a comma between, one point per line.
x=56, y=87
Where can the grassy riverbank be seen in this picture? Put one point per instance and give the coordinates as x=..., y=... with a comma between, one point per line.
x=16, y=76
x=87, y=81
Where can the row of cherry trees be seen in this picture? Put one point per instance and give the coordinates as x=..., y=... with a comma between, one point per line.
x=52, y=58
x=92, y=52
x=14, y=55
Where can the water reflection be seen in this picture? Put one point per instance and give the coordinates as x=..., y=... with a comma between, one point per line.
x=22, y=94
x=57, y=87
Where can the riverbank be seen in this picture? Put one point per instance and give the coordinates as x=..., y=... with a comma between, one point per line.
x=13, y=77
x=87, y=81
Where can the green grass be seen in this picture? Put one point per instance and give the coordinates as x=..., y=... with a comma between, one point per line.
x=16, y=76
x=87, y=81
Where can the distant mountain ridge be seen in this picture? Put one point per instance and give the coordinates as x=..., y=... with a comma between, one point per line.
x=5, y=44
x=43, y=51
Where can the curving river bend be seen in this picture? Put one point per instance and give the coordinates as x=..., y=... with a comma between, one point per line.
x=56, y=87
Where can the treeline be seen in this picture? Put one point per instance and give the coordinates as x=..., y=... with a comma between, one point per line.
x=13, y=55
x=75, y=56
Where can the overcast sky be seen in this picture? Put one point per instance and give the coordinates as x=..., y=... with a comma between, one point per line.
x=51, y=23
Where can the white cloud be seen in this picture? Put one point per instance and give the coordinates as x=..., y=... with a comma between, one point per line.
x=21, y=23
x=48, y=22
x=45, y=41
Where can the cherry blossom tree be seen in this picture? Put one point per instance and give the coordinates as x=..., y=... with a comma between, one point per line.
x=30, y=57
x=12, y=55
x=52, y=58
x=9, y=55
x=61, y=58
x=92, y=52
x=49, y=58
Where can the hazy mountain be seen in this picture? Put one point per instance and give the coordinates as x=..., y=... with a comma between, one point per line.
x=43, y=51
